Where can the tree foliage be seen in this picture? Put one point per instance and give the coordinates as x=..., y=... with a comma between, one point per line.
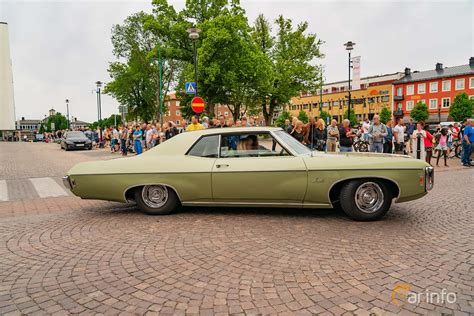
x=325, y=115
x=59, y=120
x=113, y=120
x=385, y=115
x=284, y=115
x=420, y=112
x=462, y=107
x=303, y=116
x=248, y=68
x=353, y=117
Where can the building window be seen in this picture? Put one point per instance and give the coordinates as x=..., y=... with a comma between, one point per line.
x=226, y=113
x=446, y=102
x=400, y=91
x=177, y=112
x=410, y=105
x=385, y=98
x=410, y=89
x=434, y=87
x=177, y=122
x=471, y=83
x=471, y=97
x=433, y=103
x=446, y=85
x=177, y=103
x=399, y=106
x=219, y=113
x=421, y=88
x=460, y=84
x=423, y=101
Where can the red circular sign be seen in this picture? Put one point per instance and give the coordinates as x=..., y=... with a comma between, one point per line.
x=197, y=104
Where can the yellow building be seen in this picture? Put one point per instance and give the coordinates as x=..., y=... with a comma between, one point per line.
x=375, y=93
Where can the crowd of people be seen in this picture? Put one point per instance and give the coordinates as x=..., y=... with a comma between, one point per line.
x=397, y=137
x=392, y=137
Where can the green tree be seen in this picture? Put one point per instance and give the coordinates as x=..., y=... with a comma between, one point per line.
x=385, y=115
x=353, y=117
x=462, y=107
x=291, y=53
x=303, y=116
x=280, y=121
x=59, y=120
x=113, y=120
x=324, y=115
x=419, y=112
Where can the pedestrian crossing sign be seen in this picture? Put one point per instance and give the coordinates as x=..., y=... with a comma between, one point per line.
x=190, y=87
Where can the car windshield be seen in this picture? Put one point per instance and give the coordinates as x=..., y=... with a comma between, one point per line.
x=297, y=147
x=75, y=134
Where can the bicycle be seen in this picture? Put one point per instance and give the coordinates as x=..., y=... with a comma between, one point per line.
x=454, y=150
x=360, y=145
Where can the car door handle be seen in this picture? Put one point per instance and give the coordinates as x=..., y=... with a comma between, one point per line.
x=221, y=165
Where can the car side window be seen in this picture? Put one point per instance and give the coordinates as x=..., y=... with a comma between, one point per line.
x=206, y=147
x=250, y=145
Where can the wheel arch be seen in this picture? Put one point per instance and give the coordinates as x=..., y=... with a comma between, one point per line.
x=128, y=193
x=336, y=186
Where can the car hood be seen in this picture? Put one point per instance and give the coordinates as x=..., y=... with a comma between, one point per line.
x=358, y=161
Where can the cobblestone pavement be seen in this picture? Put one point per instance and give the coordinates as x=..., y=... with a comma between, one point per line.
x=62, y=255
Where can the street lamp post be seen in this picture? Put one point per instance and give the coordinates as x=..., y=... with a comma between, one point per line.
x=160, y=84
x=349, y=47
x=99, y=111
x=194, y=35
x=67, y=110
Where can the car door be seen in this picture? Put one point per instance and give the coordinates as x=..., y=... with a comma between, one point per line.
x=253, y=168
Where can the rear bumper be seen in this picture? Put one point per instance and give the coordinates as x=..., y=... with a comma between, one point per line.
x=68, y=182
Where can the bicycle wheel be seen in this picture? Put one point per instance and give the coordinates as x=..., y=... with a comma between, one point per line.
x=364, y=147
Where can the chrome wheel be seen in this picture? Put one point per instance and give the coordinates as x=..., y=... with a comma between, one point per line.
x=155, y=196
x=369, y=197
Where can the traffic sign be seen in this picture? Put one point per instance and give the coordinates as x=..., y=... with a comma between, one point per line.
x=197, y=104
x=190, y=87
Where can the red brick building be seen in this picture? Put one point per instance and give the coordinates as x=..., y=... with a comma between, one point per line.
x=437, y=88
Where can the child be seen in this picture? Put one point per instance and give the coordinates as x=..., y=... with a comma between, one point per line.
x=442, y=147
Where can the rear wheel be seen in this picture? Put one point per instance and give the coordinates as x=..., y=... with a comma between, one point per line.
x=365, y=200
x=156, y=199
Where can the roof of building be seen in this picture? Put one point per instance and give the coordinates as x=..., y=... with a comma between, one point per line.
x=29, y=121
x=79, y=123
x=437, y=74
x=371, y=79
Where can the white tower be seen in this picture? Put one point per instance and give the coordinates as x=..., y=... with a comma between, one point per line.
x=7, y=103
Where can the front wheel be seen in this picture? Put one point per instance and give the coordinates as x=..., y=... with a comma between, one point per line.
x=365, y=200
x=156, y=199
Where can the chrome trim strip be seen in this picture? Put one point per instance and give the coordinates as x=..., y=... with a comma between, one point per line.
x=254, y=204
x=67, y=183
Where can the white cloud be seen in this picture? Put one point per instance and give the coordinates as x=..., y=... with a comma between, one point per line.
x=59, y=49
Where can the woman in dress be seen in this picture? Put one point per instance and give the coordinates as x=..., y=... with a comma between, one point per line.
x=298, y=132
x=419, y=132
x=428, y=145
x=442, y=147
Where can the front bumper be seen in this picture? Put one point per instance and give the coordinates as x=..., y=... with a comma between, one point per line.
x=68, y=182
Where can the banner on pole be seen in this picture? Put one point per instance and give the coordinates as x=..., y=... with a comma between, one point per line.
x=355, y=73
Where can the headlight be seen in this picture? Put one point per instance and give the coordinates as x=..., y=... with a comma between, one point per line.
x=429, y=178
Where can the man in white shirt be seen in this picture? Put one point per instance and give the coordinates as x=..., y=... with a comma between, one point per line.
x=149, y=137
x=399, y=136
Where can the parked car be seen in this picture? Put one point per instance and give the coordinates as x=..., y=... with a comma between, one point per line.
x=75, y=140
x=252, y=167
x=38, y=138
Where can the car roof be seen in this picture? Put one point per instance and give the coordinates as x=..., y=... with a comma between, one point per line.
x=257, y=129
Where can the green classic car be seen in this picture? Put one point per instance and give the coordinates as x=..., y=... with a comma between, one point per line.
x=252, y=167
